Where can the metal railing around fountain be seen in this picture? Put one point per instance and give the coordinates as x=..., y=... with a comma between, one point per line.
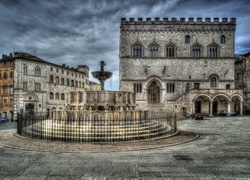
x=80, y=130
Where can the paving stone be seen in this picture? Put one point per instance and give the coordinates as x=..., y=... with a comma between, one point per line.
x=221, y=152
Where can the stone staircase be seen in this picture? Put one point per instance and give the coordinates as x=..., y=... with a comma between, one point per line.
x=99, y=132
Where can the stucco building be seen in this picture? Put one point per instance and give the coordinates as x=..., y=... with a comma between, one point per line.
x=93, y=86
x=183, y=64
x=7, y=86
x=41, y=86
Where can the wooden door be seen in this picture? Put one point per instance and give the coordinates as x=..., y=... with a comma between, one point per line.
x=153, y=93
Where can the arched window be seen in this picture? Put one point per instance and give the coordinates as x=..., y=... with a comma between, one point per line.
x=137, y=50
x=51, y=79
x=37, y=71
x=67, y=82
x=213, y=82
x=57, y=80
x=170, y=50
x=72, y=83
x=51, y=95
x=76, y=83
x=5, y=75
x=57, y=96
x=154, y=50
x=187, y=39
x=213, y=50
x=196, y=50
x=62, y=81
x=222, y=39
x=25, y=70
x=82, y=84
x=62, y=96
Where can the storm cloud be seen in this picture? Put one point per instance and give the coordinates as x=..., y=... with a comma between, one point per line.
x=87, y=31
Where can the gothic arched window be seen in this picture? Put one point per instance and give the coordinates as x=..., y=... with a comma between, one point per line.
x=196, y=50
x=72, y=83
x=67, y=82
x=37, y=71
x=187, y=39
x=154, y=50
x=213, y=50
x=137, y=50
x=170, y=50
x=222, y=39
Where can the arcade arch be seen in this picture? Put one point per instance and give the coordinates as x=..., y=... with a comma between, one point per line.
x=213, y=104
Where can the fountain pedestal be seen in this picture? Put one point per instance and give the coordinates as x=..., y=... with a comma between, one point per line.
x=102, y=75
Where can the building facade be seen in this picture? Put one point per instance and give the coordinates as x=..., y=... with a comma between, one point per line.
x=242, y=78
x=41, y=86
x=186, y=65
x=7, y=86
x=93, y=86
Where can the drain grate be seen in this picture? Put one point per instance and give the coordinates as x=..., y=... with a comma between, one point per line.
x=182, y=157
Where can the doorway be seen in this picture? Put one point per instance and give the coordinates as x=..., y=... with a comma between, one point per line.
x=153, y=93
x=215, y=107
x=198, y=107
x=30, y=108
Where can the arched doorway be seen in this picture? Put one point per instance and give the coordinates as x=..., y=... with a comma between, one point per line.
x=153, y=93
x=221, y=103
x=201, y=104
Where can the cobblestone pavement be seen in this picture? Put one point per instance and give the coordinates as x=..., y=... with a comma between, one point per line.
x=221, y=152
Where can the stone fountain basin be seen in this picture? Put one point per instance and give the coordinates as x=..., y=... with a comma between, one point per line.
x=102, y=74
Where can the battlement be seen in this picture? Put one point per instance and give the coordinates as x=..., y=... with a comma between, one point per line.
x=178, y=21
x=83, y=66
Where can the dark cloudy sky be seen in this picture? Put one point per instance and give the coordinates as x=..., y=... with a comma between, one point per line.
x=76, y=32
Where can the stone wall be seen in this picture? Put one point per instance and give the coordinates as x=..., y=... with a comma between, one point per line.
x=181, y=69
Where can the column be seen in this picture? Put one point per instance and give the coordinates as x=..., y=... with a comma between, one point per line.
x=241, y=108
x=228, y=108
x=193, y=110
x=211, y=109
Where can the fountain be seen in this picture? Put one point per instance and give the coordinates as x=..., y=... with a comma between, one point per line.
x=102, y=75
x=99, y=117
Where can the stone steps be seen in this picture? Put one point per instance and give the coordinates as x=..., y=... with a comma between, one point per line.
x=98, y=133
